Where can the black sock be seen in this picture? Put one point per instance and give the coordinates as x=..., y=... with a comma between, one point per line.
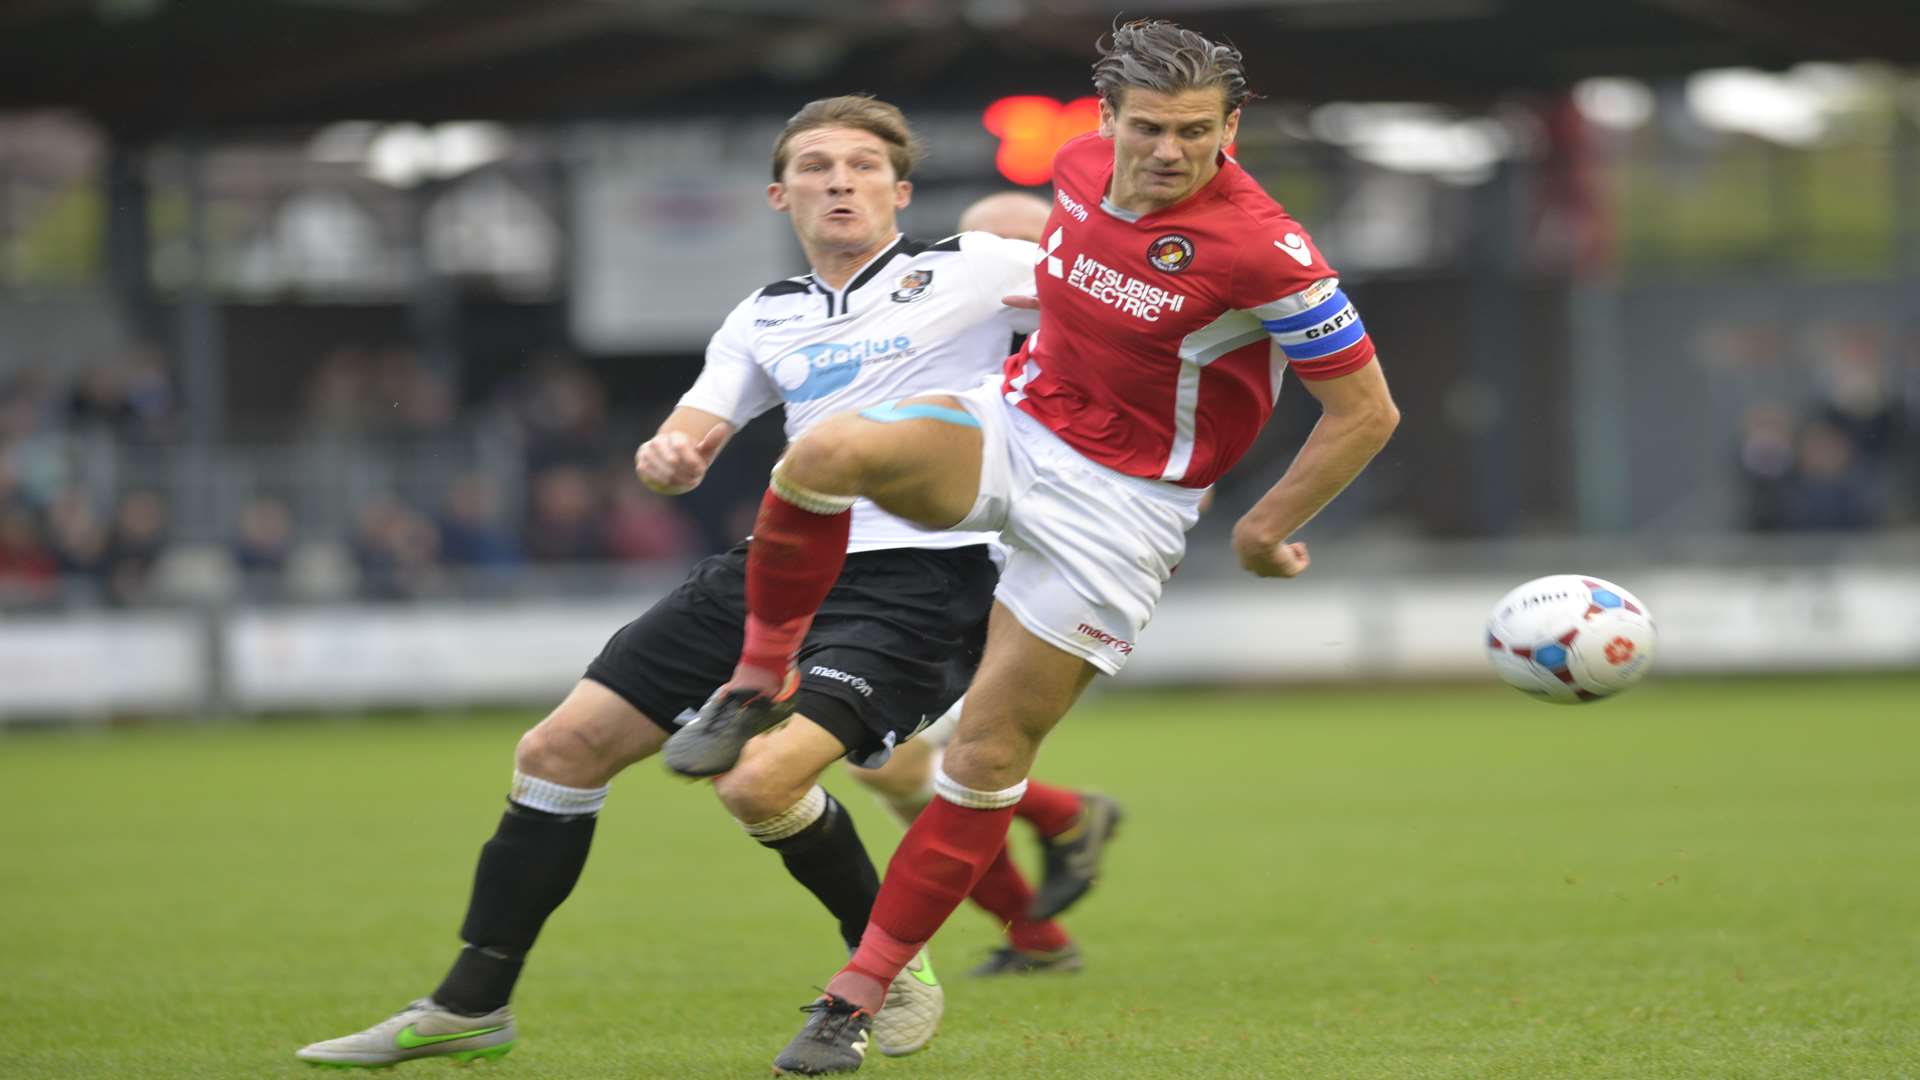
x=829, y=859
x=525, y=871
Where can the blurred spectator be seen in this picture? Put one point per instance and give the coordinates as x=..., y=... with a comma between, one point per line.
x=337, y=390
x=644, y=527
x=76, y=534
x=29, y=575
x=138, y=535
x=1766, y=467
x=148, y=386
x=31, y=456
x=130, y=396
x=564, y=525
x=397, y=551
x=9, y=483
x=263, y=544
x=26, y=399
x=1834, y=487
x=98, y=400
x=408, y=398
x=473, y=532
x=357, y=390
x=563, y=411
x=1857, y=401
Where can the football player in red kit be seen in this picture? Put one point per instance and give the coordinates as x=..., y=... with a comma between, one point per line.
x=1173, y=293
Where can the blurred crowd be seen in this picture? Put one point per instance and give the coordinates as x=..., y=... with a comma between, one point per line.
x=556, y=490
x=1845, y=459
x=56, y=539
x=384, y=482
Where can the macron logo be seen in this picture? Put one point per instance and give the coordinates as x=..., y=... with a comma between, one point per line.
x=1068, y=204
x=1296, y=248
x=855, y=681
x=1117, y=644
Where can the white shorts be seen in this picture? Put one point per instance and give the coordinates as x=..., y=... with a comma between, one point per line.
x=1089, y=548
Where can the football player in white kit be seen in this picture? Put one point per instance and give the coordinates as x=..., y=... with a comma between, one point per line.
x=879, y=317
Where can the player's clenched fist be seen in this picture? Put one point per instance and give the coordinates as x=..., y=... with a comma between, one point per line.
x=1269, y=558
x=671, y=463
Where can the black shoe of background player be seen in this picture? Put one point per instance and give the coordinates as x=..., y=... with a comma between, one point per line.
x=1073, y=857
x=1007, y=960
x=710, y=744
x=834, y=1040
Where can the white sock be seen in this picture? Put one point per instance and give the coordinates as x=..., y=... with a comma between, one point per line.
x=960, y=795
x=791, y=820
x=537, y=794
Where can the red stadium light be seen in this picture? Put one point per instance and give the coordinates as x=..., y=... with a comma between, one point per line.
x=1031, y=128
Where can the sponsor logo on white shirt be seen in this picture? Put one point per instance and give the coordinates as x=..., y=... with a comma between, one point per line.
x=814, y=371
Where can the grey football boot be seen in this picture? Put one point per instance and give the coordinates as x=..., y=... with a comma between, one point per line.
x=1072, y=858
x=1007, y=960
x=710, y=743
x=421, y=1030
x=834, y=1040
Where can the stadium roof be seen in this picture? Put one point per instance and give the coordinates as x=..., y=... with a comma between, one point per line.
x=151, y=66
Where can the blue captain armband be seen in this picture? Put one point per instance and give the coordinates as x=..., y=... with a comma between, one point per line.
x=1322, y=330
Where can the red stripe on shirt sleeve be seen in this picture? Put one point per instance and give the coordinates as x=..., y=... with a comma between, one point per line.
x=1333, y=365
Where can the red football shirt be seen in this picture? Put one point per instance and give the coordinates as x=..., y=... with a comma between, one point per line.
x=1163, y=338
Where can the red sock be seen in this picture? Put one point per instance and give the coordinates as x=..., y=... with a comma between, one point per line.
x=792, y=563
x=938, y=862
x=1050, y=810
x=1005, y=894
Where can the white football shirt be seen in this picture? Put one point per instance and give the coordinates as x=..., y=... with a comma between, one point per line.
x=917, y=319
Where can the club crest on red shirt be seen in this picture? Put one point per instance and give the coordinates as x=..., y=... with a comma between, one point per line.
x=1171, y=253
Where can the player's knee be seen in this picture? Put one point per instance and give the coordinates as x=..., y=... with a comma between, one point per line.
x=752, y=793
x=992, y=759
x=554, y=752
x=831, y=457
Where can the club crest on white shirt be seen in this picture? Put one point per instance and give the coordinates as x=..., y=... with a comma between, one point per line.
x=913, y=286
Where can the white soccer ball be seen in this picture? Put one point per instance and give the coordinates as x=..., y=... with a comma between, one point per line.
x=1570, y=638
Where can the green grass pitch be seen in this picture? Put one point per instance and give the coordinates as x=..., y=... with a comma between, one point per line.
x=1698, y=880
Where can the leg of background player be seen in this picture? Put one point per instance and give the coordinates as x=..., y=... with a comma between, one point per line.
x=905, y=783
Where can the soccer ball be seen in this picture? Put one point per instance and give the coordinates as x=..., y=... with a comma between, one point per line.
x=1570, y=638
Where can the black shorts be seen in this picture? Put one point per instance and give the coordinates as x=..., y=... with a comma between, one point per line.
x=894, y=645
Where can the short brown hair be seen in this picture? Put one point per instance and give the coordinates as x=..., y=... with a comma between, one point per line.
x=1157, y=55
x=861, y=111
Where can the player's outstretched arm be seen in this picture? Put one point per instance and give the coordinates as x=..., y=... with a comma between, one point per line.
x=1357, y=418
x=675, y=460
